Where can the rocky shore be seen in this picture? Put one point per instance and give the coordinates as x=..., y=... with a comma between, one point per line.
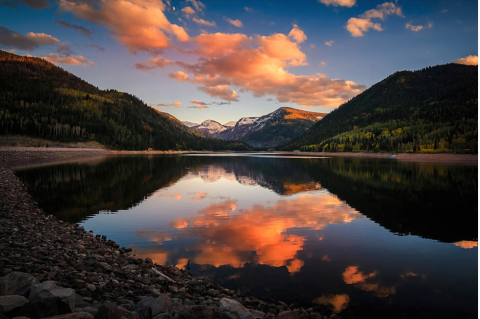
x=50, y=268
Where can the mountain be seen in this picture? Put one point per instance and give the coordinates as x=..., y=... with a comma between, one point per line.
x=189, y=124
x=230, y=124
x=430, y=110
x=271, y=130
x=210, y=128
x=40, y=99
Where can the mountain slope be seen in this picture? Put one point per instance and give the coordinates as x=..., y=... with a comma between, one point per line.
x=430, y=110
x=273, y=129
x=38, y=98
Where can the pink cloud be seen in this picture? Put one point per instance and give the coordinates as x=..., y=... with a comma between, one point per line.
x=358, y=26
x=297, y=34
x=203, y=22
x=140, y=25
x=153, y=63
x=179, y=76
x=341, y=3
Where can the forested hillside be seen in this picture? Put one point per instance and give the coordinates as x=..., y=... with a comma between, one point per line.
x=40, y=99
x=430, y=110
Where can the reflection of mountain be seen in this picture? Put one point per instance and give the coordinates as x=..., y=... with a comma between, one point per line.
x=75, y=192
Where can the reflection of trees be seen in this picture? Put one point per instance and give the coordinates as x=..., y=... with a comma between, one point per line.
x=75, y=192
x=432, y=201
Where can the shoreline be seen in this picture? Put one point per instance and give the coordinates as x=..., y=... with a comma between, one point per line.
x=26, y=157
x=66, y=271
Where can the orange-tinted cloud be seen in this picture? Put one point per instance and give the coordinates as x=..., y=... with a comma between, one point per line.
x=329, y=43
x=175, y=104
x=179, y=76
x=341, y=3
x=66, y=59
x=339, y=302
x=358, y=26
x=469, y=60
x=199, y=196
x=352, y=275
x=297, y=34
x=153, y=63
x=188, y=11
x=414, y=28
x=203, y=22
x=200, y=107
x=466, y=244
x=235, y=22
x=29, y=42
x=259, y=66
x=140, y=25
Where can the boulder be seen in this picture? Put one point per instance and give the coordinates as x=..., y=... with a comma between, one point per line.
x=76, y=315
x=234, y=309
x=11, y=302
x=46, y=300
x=144, y=308
x=194, y=312
x=109, y=310
x=16, y=283
x=162, y=304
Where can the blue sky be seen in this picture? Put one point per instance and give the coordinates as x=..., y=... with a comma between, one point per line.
x=291, y=71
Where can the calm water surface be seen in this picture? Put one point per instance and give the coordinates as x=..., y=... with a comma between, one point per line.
x=360, y=237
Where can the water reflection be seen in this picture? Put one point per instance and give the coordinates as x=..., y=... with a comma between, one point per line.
x=298, y=230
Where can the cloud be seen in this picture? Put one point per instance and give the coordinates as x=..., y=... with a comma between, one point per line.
x=139, y=25
x=200, y=107
x=339, y=302
x=248, y=9
x=203, y=22
x=236, y=22
x=259, y=65
x=297, y=34
x=64, y=49
x=188, y=11
x=66, y=59
x=352, y=276
x=175, y=104
x=220, y=91
x=199, y=6
x=29, y=42
x=179, y=76
x=198, y=102
x=466, y=244
x=357, y=26
x=99, y=48
x=469, y=60
x=329, y=43
x=34, y=4
x=86, y=32
x=414, y=28
x=199, y=196
x=153, y=63
x=341, y=3
x=417, y=28
x=444, y=10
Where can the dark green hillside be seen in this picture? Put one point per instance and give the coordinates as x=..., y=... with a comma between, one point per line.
x=430, y=110
x=40, y=99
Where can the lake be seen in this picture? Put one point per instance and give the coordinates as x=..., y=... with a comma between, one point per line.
x=360, y=237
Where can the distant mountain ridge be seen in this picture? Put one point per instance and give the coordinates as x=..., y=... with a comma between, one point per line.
x=271, y=130
x=430, y=110
x=40, y=99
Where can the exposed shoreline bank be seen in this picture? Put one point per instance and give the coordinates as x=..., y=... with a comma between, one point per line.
x=89, y=276
x=23, y=157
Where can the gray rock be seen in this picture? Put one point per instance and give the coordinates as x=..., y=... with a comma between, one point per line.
x=289, y=315
x=234, y=309
x=144, y=308
x=162, y=304
x=16, y=283
x=173, y=289
x=46, y=300
x=256, y=314
x=11, y=302
x=76, y=315
x=109, y=310
x=163, y=316
x=194, y=312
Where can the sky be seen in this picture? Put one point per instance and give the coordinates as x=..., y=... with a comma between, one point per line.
x=224, y=60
